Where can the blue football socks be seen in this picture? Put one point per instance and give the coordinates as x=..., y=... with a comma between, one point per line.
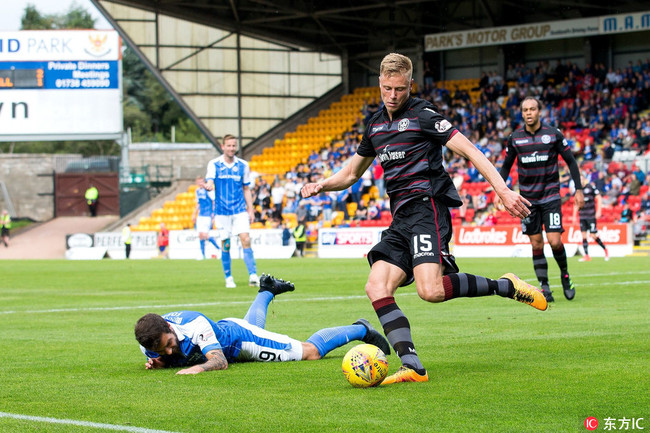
x=225, y=262
x=256, y=314
x=250, y=261
x=329, y=339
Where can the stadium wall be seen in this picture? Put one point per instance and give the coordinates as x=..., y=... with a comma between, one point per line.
x=187, y=160
x=29, y=179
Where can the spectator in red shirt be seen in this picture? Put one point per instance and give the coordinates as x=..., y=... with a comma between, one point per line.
x=163, y=240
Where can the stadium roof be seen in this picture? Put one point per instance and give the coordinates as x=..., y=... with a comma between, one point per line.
x=362, y=28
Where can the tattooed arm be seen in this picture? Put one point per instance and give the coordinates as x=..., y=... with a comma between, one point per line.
x=216, y=361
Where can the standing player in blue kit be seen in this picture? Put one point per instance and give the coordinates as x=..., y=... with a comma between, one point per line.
x=229, y=177
x=203, y=214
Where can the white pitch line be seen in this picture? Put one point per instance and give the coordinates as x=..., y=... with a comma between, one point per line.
x=82, y=423
x=198, y=304
x=623, y=283
x=317, y=299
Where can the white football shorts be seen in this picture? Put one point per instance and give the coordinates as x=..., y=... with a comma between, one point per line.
x=203, y=224
x=232, y=225
x=258, y=344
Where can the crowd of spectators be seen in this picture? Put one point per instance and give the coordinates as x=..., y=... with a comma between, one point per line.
x=600, y=111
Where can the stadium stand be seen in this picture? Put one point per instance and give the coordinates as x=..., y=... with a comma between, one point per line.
x=176, y=214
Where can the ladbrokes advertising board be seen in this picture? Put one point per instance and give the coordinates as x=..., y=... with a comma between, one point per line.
x=509, y=241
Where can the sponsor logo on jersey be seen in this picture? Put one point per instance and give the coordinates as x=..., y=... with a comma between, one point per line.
x=235, y=177
x=524, y=141
x=377, y=128
x=234, y=168
x=206, y=337
x=533, y=158
x=442, y=125
x=403, y=125
x=546, y=139
x=387, y=155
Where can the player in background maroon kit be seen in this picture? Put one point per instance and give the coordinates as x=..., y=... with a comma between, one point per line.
x=589, y=216
x=536, y=147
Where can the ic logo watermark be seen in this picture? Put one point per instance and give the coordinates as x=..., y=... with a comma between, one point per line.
x=609, y=424
x=591, y=423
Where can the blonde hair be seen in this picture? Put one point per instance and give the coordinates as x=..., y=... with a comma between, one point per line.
x=394, y=63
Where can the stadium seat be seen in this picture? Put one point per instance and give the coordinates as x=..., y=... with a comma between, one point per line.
x=469, y=215
x=644, y=189
x=337, y=218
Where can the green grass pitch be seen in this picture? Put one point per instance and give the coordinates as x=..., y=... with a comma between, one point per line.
x=495, y=365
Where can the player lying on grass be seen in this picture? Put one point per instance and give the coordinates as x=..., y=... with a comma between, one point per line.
x=188, y=338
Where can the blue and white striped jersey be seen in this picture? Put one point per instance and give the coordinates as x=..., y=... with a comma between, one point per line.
x=197, y=335
x=229, y=181
x=205, y=200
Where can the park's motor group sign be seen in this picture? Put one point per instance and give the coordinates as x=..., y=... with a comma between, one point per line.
x=534, y=32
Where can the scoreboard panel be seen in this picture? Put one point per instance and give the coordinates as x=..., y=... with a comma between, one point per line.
x=59, y=75
x=21, y=78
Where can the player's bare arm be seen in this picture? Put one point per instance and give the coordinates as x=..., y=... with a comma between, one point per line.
x=579, y=199
x=209, y=185
x=574, y=169
x=216, y=361
x=515, y=204
x=347, y=176
x=249, y=203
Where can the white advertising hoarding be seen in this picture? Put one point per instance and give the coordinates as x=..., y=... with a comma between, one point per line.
x=347, y=242
x=183, y=244
x=61, y=84
x=266, y=244
x=497, y=241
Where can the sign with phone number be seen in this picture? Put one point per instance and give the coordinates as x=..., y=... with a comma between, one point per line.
x=61, y=75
